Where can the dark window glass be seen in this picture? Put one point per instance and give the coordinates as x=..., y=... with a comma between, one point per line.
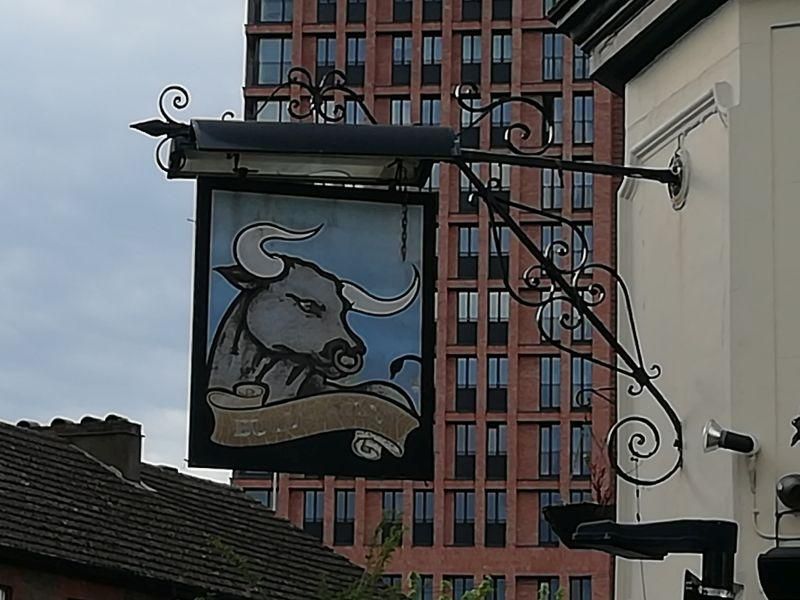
x=326, y=11
x=549, y=382
x=552, y=190
x=501, y=58
x=498, y=588
x=496, y=451
x=471, y=58
x=394, y=582
x=466, y=382
x=356, y=11
x=495, y=534
x=356, y=53
x=580, y=588
x=497, y=393
x=431, y=10
x=553, y=243
x=465, y=451
x=275, y=11
x=460, y=585
x=313, y=513
x=422, y=532
x=549, y=449
x=426, y=587
x=501, y=119
x=548, y=588
x=392, y=505
x=400, y=113
x=551, y=313
x=553, y=57
x=431, y=59
x=343, y=525
x=578, y=246
x=498, y=317
x=554, y=105
x=582, y=191
x=466, y=203
x=326, y=55
x=431, y=111
x=468, y=249
x=471, y=10
x=581, y=382
x=583, y=119
x=580, y=64
x=546, y=535
x=578, y=496
x=263, y=495
x=583, y=332
x=433, y=186
x=403, y=10
x=401, y=60
x=274, y=59
x=501, y=10
x=467, y=329
x=499, y=248
x=580, y=449
x=464, y=518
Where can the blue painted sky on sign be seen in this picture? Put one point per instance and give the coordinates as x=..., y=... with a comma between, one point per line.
x=359, y=242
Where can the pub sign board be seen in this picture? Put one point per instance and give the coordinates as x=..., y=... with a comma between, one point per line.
x=313, y=330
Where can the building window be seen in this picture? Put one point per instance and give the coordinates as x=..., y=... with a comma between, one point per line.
x=501, y=58
x=392, y=517
x=465, y=451
x=275, y=11
x=343, y=525
x=356, y=53
x=578, y=245
x=498, y=317
x=580, y=63
x=583, y=332
x=500, y=246
x=353, y=113
x=464, y=518
x=553, y=57
x=326, y=55
x=274, y=59
x=555, y=130
x=466, y=204
x=549, y=382
x=498, y=588
x=422, y=532
x=580, y=450
x=579, y=496
x=401, y=60
x=583, y=119
x=501, y=10
x=548, y=588
x=549, y=450
x=431, y=59
x=326, y=11
x=551, y=312
x=426, y=587
x=393, y=582
x=459, y=585
x=273, y=111
x=501, y=176
x=433, y=186
x=466, y=383
x=553, y=244
x=582, y=191
x=356, y=11
x=467, y=328
x=471, y=10
x=431, y=111
x=552, y=190
x=468, y=252
x=581, y=383
x=496, y=451
x=263, y=495
x=497, y=394
x=495, y=533
x=431, y=10
x=547, y=536
x=580, y=588
x=501, y=119
x=402, y=11
x=400, y=111
x=314, y=511
x=548, y=5
x=471, y=58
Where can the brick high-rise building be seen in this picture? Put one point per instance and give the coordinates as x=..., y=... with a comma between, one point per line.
x=509, y=436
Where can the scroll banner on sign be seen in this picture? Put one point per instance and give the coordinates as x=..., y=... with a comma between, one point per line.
x=242, y=420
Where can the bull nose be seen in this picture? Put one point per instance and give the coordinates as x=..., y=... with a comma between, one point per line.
x=343, y=356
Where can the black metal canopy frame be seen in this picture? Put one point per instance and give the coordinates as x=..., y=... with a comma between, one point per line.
x=569, y=295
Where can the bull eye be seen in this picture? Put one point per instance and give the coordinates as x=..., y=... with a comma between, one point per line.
x=308, y=306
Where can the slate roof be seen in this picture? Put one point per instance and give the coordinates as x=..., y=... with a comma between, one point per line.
x=60, y=506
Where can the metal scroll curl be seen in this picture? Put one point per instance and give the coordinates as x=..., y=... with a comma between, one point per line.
x=570, y=289
x=326, y=100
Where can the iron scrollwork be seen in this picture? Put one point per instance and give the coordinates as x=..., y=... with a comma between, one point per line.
x=569, y=292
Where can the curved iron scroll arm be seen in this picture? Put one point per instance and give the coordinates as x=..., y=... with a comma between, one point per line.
x=577, y=302
x=327, y=96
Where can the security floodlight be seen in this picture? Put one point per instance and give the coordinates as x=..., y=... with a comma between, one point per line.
x=715, y=437
x=788, y=491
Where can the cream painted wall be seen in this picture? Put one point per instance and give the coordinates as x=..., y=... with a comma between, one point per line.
x=715, y=285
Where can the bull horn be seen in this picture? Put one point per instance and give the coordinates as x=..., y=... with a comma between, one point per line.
x=248, y=248
x=365, y=303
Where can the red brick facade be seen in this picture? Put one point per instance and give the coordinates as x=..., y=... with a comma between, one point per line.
x=522, y=562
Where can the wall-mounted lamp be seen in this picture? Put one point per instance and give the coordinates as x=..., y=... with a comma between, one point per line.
x=715, y=437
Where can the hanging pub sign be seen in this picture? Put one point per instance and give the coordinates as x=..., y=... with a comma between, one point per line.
x=313, y=330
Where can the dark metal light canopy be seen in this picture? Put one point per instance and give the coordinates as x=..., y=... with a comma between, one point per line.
x=375, y=154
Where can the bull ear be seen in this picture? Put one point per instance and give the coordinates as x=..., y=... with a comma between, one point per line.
x=238, y=277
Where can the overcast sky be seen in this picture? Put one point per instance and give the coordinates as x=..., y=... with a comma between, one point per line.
x=95, y=244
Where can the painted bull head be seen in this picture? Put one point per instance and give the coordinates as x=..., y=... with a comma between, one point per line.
x=290, y=309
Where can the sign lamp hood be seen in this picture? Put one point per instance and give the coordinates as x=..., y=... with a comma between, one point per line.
x=715, y=437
